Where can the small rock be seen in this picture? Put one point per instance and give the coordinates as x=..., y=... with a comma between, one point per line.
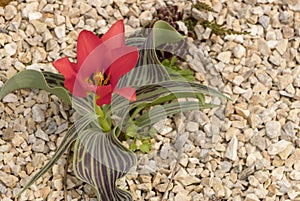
x=251, y=197
x=124, y=10
x=10, y=48
x=8, y=134
x=145, y=178
x=289, y=129
x=284, y=81
x=285, y=17
x=278, y=147
x=133, y=22
x=57, y=184
x=288, y=32
x=59, y=20
x=282, y=45
x=10, y=12
x=41, y=134
x=182, y=195
x=242, y=112
x=181, y=140
x=164, y=152
x=145, y=18
x=39, y=54
x=219, y=189
x=84, y=8
x=264, y=21
x=226, y=166
x=34, y=16
x=192, y=126
x=231, y=151
x=8, y=180
x=48, y=8
x=105, y=3
x=273, y=129
x=5, y=148
x=287, y=152
x=161, y=127
x=224, y=57
x=275, y=59
x=182, y=27
x=295, y=175
x=60, y=31
x=183, y=177
x=10, y=98
x=3, y=188
x=254, y=120
x=18, y=140
x=102, y=12
x=184, y=159
x=263, y=47
x=278, y=173
x=38, y=146
x=62, y=128
x=239, y=51
x=293, y=194
x=238, y=80
x=39, y=26
x=163, y=187
x=37, y=114
x=145, y=187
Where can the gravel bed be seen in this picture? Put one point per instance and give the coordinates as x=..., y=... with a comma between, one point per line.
x=246, y=149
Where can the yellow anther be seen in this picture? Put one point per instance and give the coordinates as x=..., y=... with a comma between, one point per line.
x=99, y=79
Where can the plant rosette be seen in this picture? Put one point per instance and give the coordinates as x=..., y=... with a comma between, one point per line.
x=119, y=88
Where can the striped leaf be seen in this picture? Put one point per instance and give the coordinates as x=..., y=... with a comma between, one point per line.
x=70, y=137
x=100, y=159
x=162, y=111
x=33, y=79
x=148, y=69
x=54, y=79
x=155, y=94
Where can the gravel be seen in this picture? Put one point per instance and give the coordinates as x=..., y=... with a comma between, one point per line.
x=246, y=149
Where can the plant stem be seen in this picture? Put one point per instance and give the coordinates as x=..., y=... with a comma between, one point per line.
x=102, y=120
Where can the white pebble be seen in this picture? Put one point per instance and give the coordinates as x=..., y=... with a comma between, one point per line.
x=10, y=48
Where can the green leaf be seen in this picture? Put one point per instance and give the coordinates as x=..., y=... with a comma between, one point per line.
x=69, y=138
x=165, y=91
x=157, y=94
x=100, y=159
x=131, y=130
x=165, y=33
x=152, y=132
x=145, y=147
x=148, y=69
x=133, y=146
x=32, y=79
x=54, y=79
x=162, y=111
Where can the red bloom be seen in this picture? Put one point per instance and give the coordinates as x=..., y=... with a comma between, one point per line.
x=101, y=62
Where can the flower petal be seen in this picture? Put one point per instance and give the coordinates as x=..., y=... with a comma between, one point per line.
x=87, y=42
x=125, y=60
x=116, y=32
x=104, y=95
x=126, y=92
x=104, y=100
x=66, y=68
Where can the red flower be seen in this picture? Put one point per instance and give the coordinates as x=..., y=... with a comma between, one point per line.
x=101, y=62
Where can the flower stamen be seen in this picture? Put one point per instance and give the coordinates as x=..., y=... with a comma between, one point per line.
x=99, y=79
